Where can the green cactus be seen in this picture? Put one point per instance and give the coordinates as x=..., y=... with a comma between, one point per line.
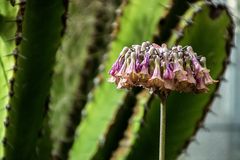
x=36, y=40
x=70, y=60
x=134, y=123
x=185, y=118
x=84, y=148
x=89, y=118
x=7, y=45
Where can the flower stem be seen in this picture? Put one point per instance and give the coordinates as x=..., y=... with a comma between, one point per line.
x=162, y=126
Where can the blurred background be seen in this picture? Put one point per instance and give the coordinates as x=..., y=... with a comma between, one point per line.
x=220, y=140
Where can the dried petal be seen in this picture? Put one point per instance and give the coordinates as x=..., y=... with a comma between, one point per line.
x=156, y=80
x=131, y=69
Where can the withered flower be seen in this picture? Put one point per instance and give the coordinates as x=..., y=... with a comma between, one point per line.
x=159, y=68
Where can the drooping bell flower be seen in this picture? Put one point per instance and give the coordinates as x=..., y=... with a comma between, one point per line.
x=119, y=62
x=168, y=77
x=180, y=73
x=131, y=73
x=156, y=80
x=143, y=73
x=159, y=68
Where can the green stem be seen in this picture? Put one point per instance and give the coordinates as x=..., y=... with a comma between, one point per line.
x=162, y=127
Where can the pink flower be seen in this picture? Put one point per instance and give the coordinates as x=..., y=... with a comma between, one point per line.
x=158, y=68
x=131, y=69
x=156, y=80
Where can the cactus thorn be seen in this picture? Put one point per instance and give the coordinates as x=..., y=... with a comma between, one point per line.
x=118, y=12
x=102, y=141
x=17, y=38
x=15, y=54
x=96, y=81
x=18, y=19
x=218, y=95
x=195, y=141
x=188, y=21
x=8, y=107
x=233, y=44
x=165, y=6
x=185, y=152
x=114, y=25
x=227, y=61
x=101, y=68
x=195, y=7
x=146, y=108
x=14, y=68
x=11, y=93
x=23, y=2
x=83, y=113
x=4, y=141
x=212, y=112
x=209, y=2
x=6, y=122
x=204, y=128
x=223, y=78
x=12, y=2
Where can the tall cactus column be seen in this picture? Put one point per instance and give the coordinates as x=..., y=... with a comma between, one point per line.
x=38, y=38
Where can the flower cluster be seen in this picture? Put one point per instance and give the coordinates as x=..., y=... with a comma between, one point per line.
x=159, y=68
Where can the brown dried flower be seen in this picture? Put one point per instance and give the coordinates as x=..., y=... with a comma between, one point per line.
x=158, y=68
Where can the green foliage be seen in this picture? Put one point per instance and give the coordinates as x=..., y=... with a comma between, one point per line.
x=89, y=118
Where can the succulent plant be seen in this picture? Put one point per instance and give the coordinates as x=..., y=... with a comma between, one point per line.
x=55, y=98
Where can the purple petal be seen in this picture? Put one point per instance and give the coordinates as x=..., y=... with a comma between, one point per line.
x=168, y=73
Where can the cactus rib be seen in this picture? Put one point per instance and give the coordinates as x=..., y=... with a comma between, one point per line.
x=115, y=132
x=32, y=75
x=7, y=61
x=131, y=133
x=65, y=80
x=97, y=47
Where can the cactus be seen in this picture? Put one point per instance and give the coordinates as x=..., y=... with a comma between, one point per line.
x=7, y=45
x=184, y=118
x=134, y=123
x=81, y=19
x=80, y=150
x=34, y=53
x=88, y=117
